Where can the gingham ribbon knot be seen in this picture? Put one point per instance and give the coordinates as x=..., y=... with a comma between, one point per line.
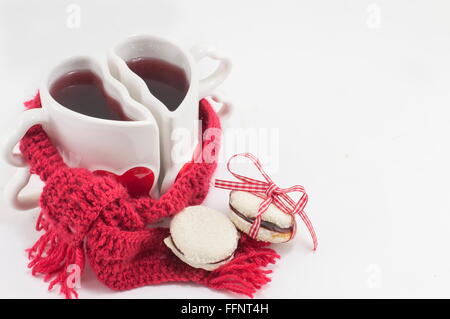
x=271, y=193
x=272, y=189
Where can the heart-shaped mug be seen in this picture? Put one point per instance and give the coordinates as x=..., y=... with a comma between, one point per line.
x=128, y=150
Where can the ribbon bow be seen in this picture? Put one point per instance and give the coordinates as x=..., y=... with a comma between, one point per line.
x=271, y=193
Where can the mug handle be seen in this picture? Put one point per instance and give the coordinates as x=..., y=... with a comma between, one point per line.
x=227, y=107
x=15, y=186
x=27, y=119
x=208, y=84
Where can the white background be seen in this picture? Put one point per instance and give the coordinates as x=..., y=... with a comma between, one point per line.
x=359, y=94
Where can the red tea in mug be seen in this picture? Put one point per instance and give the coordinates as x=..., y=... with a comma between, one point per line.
x=167, y=82
x=82, y=91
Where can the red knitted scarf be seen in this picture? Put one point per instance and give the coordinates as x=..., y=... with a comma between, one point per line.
x=87, y=215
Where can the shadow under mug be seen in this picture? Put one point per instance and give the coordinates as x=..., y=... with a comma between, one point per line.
x=96, y=144
x=184, y=119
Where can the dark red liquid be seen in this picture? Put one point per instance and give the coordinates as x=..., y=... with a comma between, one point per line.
x=82, y=91
x=167, y=82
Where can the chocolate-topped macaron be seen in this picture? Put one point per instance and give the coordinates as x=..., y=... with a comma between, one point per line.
x=276, y=226
x=202, y=237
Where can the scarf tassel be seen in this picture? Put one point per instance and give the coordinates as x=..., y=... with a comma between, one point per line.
x=244, y=274
x=60, y=263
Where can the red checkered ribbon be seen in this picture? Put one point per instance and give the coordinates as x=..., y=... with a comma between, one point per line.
x=271, y=193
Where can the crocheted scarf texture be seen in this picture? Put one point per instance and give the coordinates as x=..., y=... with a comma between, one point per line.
x=87, y=216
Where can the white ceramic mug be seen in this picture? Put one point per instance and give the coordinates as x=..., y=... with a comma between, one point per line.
x=85, y=141
x=185, y=117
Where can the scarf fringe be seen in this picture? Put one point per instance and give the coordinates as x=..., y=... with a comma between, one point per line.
x=57, y=261
x=245, y=274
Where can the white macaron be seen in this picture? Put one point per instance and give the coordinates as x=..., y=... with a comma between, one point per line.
x=202, y=237
x=276, y=226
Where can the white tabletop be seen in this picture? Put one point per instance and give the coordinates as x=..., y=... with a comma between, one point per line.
x=358, y=93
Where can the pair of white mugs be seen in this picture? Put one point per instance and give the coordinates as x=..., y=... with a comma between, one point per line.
x=118, y=146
